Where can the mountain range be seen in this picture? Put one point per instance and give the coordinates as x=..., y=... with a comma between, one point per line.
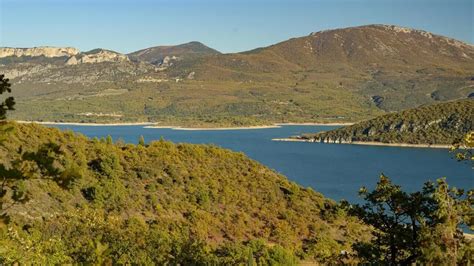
x=339, y=75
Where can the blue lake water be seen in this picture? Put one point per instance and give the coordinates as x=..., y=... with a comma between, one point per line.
x=337, y=171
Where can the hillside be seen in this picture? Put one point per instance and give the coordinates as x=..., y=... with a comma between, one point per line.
x=443, y=123
x=69, y=199
x=395, y=67
x=156, y=55
x=341, y=75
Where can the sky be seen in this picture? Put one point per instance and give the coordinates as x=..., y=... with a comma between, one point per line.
x=225, y=25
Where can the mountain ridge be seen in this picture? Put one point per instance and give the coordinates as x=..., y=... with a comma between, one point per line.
x=157, y=54
x=340, y=75
x=393, y=27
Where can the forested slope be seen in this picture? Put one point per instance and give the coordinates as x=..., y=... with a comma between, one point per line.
x=444, y=123
x=66, y=198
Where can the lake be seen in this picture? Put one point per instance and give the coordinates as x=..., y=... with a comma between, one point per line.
x=335, y=170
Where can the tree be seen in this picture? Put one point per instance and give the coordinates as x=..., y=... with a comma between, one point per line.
x=5, y=106
x=464, y=149
x=8, y=103
x=422, y=226
x=141, y=141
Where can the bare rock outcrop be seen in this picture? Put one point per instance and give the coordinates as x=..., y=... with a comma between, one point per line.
x=97, y=56
x=45, y=51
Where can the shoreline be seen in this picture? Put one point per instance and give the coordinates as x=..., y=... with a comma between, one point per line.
x=83, y=124
x=373, y=143
x=213, y=128
x=315, y=124
x=156, y=125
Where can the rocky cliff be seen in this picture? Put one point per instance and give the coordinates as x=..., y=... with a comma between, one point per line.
x=45, y=51
x=97, y=56
x=74, y=56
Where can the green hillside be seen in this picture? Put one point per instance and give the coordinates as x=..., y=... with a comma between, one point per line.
x=66, y=198
x=443, y=123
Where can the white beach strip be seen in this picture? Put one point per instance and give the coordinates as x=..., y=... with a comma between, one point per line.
x=314, y=124
x=373, y=143
x=215, y=128
x=85, y=124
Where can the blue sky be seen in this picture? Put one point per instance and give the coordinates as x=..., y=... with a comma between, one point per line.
x=226, y=25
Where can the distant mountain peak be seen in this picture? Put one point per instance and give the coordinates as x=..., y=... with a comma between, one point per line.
x=157, y=54
x=100, y=50
x=397, y=30
x=394, y=28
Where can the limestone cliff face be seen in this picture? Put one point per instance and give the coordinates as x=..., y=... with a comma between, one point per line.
x=97, y=56
x=45, y=51
x=74, y=55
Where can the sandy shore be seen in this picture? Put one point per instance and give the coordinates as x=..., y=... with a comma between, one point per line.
x=277, y=125
x=156, y=125
x=314, y=124
x=373, y=143
x=214, y=128
x=84, y=124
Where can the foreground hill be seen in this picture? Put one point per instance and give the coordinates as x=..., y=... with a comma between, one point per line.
x=341, y=75
x=68, y=199
x=443, y=123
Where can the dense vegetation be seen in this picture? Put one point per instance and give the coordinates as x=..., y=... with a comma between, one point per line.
x=338, y=75
x=67, y=198
x=444, y=123
x=190, y=103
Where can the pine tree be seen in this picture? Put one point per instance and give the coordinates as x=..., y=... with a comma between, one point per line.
x=422, y=226
x=8, y=103
x=141, y=141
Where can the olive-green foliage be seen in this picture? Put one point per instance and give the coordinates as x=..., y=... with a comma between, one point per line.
x=9, y=102
x=141, y=141
x=71, y=199
x=444, y=123
x=197, y=104
x=419, y=227
x=464, y=149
